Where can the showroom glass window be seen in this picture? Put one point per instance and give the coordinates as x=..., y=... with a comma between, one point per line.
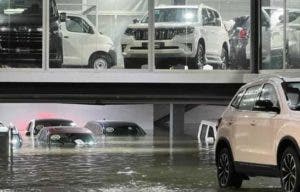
x=202, y=35
x=101, y=34
x=21, y=33
x=280, y=34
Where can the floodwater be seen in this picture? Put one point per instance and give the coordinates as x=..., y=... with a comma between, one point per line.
x=119, y=165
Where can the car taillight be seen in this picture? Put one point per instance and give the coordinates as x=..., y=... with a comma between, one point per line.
x=218, y=123
x=243, y=34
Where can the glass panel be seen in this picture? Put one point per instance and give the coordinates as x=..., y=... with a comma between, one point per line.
x=205, y=35
x=249, y=98
x=21, y=33
x=272, y=34
x=293, y=34
x=99, y=34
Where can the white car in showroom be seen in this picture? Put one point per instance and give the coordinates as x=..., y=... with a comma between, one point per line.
x=193, y=35
x=84, y=45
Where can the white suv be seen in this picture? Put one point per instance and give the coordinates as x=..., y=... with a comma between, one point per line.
x=84, y=45
x=259, y=135
x=182, y=33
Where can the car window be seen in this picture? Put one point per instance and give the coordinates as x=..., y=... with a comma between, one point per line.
x=249, y=98
x=210, y=19
x=77, y=25
x=203, y=132
x=217, y=19
x=211, y=132
x=236, y=101
x=269, y=93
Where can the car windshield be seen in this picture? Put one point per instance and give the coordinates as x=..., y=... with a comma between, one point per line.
x=51, y=123
x=72, y=138
x=178, y=15
x=124, y=130
x=292, y=91
x=23, y=7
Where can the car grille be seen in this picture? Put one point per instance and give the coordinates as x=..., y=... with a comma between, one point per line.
x=12, y=41
x=160, y=34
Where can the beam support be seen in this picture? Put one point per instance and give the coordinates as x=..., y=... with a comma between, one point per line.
x=176, y=120
x=256, y=43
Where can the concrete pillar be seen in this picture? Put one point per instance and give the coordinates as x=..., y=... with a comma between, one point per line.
x=176, y=120
x=4, y=143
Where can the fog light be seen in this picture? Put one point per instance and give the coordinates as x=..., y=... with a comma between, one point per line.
x=190, y=46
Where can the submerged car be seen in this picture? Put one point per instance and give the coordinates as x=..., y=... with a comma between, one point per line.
x=115, y=128
x=36, y=125
x=193, y=35
x=65, y=136
x=258, y=134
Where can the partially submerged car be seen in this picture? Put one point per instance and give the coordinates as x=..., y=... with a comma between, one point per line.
x=65, y=136
x=36, y=125
x=115, y=128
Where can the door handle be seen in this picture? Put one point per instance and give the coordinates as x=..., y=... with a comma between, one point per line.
x=253, y=124
x=66, y=37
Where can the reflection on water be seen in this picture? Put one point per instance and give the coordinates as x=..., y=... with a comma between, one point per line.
x=119, y=164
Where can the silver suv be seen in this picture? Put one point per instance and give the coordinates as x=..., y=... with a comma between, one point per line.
x=189, y=34
x=259, y=134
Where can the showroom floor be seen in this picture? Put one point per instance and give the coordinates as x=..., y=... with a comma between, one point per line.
x=119, y=164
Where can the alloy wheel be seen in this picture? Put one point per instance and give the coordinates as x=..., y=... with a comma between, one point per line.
x=223, y=169
x=200, y=58
x=100, y=63
x=289, y=173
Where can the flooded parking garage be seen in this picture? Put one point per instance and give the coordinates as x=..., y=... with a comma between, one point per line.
x=119, y=164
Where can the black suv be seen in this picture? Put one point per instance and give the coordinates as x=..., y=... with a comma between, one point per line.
x=21, y=34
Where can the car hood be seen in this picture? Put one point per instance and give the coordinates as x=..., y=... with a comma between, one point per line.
x=162, y=25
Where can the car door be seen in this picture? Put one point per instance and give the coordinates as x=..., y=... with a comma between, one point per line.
x=243, y=124
x=210, y=29
x=263, y=128
x=77, y=35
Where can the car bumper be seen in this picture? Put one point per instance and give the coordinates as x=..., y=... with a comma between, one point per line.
x=178, y=47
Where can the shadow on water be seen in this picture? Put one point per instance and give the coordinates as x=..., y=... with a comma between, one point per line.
x=120, y=164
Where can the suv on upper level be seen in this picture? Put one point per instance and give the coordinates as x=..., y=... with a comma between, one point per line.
x=258, y=134
x=21, y=34
x=182, y=33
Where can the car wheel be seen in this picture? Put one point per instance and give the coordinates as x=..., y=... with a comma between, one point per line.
x=227, y=177
x=290, y=171
x=199, y=60
x=225, y=59
x=100, y=61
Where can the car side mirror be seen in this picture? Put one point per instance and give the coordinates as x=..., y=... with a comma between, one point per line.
x=135, y=21
x=266, y=105
x=63, y=17
x=27, y=133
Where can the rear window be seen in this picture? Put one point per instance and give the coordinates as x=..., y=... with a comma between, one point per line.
x=124, y=130
x=53, y=123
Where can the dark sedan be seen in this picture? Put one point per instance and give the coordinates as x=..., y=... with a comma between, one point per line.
x=65, y=136
x=115, y=128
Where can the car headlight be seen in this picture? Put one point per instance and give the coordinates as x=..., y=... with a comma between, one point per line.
x=185, y=31
x=129, y=32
